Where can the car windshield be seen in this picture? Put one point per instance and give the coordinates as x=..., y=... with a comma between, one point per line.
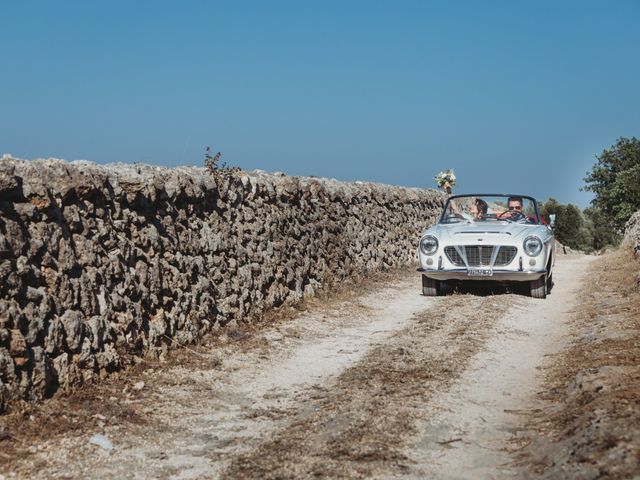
x=490, y=208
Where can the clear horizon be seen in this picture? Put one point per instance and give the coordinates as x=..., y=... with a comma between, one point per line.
x=512, y=97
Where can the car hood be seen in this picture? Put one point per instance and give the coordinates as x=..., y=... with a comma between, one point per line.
x=470, y=231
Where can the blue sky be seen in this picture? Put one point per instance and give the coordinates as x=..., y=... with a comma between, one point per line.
x=515, y=96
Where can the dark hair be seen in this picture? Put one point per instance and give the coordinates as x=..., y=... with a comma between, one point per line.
x=482, y=206
x=515, y=199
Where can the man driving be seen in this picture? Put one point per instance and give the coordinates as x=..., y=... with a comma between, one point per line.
x=515, y=203
x=514, y=212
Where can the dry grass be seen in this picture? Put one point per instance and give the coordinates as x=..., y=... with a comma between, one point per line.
x=358, y=426
x=593, y=431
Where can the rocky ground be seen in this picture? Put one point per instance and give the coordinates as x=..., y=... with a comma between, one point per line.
x=376, y=382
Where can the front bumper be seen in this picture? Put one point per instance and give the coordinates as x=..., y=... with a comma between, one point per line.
x=498, y=275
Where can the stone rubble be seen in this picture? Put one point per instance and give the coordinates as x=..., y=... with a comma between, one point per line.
x=104, y=263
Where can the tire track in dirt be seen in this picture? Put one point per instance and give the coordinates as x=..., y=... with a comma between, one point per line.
x=485, y=411
x=357, y=425
x=343, y=390
x=442, y=398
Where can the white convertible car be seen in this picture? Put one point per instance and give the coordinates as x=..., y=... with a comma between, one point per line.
x=488, y=237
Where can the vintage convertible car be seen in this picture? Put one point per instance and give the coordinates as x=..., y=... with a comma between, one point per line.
x=492, y=237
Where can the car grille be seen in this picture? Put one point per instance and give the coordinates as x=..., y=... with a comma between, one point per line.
x=505, y=256
x=453, y=256
x=480, y=255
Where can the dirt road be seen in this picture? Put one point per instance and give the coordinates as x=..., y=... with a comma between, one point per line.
x=385, y=384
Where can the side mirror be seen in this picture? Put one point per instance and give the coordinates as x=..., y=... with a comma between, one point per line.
x=552, y=220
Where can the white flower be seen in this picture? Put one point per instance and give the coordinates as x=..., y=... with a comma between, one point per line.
x=445, y=177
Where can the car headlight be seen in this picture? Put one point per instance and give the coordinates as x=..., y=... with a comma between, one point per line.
x=428, y=244
x=532, y=246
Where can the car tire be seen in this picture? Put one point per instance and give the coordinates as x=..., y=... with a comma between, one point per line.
x=549, y=283
x=445, y=288
x=539, y=287
x=430, y=287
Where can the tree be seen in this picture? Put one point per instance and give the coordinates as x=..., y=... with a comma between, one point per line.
x=569, y=221
x=588, y=230
x=572, y=227
x=602, y=233
x=615, y=179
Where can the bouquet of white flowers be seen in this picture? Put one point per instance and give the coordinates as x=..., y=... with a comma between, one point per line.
x=446, y=180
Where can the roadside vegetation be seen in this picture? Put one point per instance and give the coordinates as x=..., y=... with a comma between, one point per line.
x=216, y=168
x=588, y=230
x=615, y=180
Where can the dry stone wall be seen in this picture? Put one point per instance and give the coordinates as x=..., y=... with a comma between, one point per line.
x=632, y=234
x=102, y=263
x=632, y=240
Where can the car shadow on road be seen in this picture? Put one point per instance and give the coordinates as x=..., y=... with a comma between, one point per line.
x=484, y=289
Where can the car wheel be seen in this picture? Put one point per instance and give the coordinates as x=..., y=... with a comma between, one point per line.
x=539, y=287
x=445, y=288
x=549, y=283
x=430, y=287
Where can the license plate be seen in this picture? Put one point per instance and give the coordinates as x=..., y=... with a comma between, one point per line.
x=480, y=272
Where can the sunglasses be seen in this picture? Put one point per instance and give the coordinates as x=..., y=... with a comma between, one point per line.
x=515, y=207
